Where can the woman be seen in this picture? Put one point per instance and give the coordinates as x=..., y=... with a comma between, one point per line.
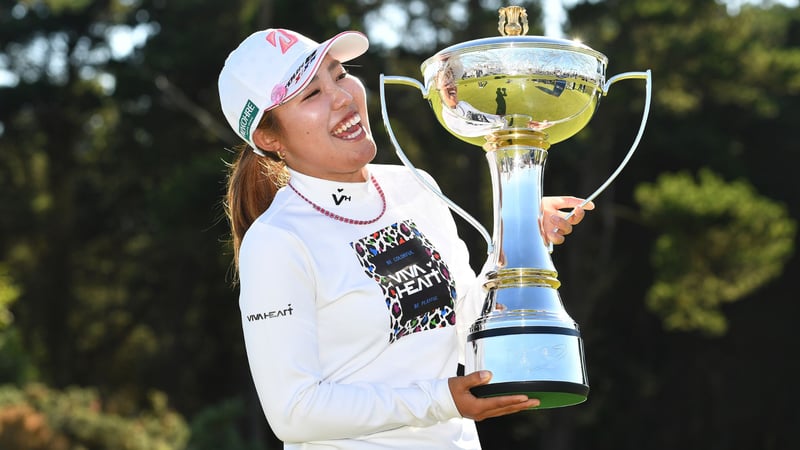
x=355, y=287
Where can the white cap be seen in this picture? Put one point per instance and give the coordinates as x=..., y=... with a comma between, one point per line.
x=272, y=66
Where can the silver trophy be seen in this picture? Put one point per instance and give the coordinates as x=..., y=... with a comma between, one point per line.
x=515, y=96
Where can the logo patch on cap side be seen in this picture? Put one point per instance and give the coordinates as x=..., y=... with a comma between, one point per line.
x=249, y=113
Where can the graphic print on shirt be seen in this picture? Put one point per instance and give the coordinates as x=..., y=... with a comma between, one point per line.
x=419, y=290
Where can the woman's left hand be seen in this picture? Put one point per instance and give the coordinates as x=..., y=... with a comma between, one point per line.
x=554, y=223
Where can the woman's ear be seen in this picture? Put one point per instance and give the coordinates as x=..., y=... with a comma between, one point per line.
x=266, y=141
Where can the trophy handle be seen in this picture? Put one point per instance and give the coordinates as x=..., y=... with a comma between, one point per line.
x=406, y=81
x=646, y=75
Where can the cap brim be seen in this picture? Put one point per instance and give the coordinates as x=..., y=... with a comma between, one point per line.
x=346, y=45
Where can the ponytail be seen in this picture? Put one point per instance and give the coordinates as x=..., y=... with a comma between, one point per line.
x=253, y=181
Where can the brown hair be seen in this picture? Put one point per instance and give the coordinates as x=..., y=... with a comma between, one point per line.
x=253, y=180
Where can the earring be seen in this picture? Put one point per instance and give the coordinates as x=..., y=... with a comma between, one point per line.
x=281, y=155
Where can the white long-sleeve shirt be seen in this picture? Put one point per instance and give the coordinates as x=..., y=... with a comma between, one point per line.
x=351, y=330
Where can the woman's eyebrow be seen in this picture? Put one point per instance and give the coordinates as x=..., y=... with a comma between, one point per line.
x=334, y=65
x=331, y=67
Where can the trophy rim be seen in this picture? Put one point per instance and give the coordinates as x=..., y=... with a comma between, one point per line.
x=515, y=42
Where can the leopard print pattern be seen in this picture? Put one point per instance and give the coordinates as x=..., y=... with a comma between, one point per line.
x=423, y=269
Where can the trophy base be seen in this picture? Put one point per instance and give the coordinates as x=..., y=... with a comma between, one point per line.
x=531, y=352
x=551, y=394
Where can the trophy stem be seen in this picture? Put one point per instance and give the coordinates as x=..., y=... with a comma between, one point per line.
x=524, y=335
x=516, y=161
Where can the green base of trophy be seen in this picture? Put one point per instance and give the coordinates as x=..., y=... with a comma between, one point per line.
x=551, y=394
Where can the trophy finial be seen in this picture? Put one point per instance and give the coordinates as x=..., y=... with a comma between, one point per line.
x=513, y=21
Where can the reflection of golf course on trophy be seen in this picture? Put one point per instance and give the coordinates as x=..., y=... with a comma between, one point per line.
x=555, y=98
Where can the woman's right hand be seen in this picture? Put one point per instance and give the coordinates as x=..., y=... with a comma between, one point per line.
x=478, y=409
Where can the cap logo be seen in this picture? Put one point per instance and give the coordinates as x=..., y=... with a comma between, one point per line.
x=278, y=94
x=249, y=114
x=281, y=38
x=301, y=69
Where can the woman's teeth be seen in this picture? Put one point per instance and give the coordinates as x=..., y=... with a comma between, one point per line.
x=342, y=130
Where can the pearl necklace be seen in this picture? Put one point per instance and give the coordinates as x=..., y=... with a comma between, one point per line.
x=345, y=219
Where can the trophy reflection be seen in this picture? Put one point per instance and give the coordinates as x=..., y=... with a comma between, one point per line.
x=514, y=96
x=458, y=116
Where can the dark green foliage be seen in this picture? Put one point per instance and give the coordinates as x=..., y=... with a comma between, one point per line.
x=216, y=427
x=719, y=242
x=115, y=271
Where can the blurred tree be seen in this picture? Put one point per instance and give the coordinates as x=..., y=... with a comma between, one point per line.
x=100, y=213
x=8, y=294
x=22, y=427
x=40, y=418
x=725, y=97
x=113, y=246
x=215, y=428
x=718, y=243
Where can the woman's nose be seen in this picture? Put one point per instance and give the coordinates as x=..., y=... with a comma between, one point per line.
x=341, y=97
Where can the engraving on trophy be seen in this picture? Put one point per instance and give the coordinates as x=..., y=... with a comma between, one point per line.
x=545, y=357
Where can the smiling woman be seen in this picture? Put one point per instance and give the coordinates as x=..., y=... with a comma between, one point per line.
x=356, y=290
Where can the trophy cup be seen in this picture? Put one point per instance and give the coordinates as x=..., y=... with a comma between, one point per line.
x=515, y=96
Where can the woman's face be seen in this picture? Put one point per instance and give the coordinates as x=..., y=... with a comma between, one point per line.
x=325, y=128
x=446, y=83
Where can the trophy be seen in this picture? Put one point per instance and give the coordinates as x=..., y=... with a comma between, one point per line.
x=514, y=96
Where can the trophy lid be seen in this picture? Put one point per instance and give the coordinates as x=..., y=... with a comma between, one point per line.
x=497, y=42
x=513, y=26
